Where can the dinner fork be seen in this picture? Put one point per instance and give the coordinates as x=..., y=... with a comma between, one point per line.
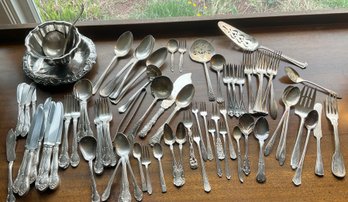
x=64, y=159
x=105, y=117
x=195, y=110
x=204, y=113
x=205, y=179
x=215, y=117
x=223, y=132
x=337, y=163
x=227, y=79
x=145, y=160
x=187, y=121
x=211, y=130
x=240, y=81
x=302, y=108
x=223, y=112
x=181, y=50
x=248, y=62
x=75, y=114
x=260, y=70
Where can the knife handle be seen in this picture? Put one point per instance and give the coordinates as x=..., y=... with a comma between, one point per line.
x=10, y=196
x=152, y=122
x=25, y=185
x=26, y=123
x=42, y=178
x=20, y=118
x=35, y=163
x=20, y=176
x=54, y=177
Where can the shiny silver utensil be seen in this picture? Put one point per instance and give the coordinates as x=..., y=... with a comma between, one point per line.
x=161, y=88
x=75, y=115
x=54, y=179
x=223, y=133
x=246, y=125
x=21, y=185
x=295, y=77
x=178, y=84
x=11, y=157
x=28, y=98
x=158, y=154
x=302, y=108
x=152, y=72
x=137, y=154
x=172, y=47
x=64, y=159
x=83, y=91
x=20, y=101
x=261, y=132
x=121, y=49
x=182, y=51
x=101, y=159
x=337, y=162
x=206, y=184
x=319, y=167
x=237, y=134
x=145, y=160
x=180, y=138
x=187, y=121
x=201, y=51
x=217, y=64
x=211, y=130
x=204, y=113
x=182, y=100
x=153, y=64
x=223, y=112
x=141, y=53
x=310, y=122
x=215, y=117
x=248, y=62
x=249, y=43
x=169, y=139
x=195, y=111
x=88, y=146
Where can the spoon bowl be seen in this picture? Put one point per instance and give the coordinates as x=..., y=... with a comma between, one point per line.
x=292, y=97
x=172, y=46
x=122, y=145
x=311, y=120
x=157, y=58
x=261, y=129
x=88, y=146
x=246, y=123
x=180, y=134
x=184, y=97
x=83, y=89
x=157, y=151
x=161, y=87
x=137, y=150
x=217, y=62
x=168, y=136
x=123, y=44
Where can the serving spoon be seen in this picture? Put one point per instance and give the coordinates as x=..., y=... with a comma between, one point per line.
x=249, y=43
x=121, y=49
x=295, y=77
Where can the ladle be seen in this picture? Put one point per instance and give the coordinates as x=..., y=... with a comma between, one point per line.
x=310, y=123
x=121, y=49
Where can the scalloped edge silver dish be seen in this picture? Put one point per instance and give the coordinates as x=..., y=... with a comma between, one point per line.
x=49, y=75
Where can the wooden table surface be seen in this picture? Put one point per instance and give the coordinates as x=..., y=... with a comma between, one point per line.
x=324, y=47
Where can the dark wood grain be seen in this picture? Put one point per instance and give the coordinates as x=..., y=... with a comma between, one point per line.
x=323, y=46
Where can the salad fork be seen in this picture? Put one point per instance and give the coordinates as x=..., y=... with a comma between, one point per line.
x=195, y=110
x=240, y=81
x=337, y=163
x=204, y=113
x=205, y=179
x=145, y=160
x=223, y=112
x=260, y=69
x=181, y=50
x=302, y=108
x=211, y=130
x=227, y=79
x=248, y=62
x=223, y=132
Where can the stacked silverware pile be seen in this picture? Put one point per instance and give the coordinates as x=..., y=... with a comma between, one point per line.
x=213, y=138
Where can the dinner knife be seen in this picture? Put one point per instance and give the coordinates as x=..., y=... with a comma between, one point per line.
x=46, y=108
x=11, y=156
x=54, y=177
x=319, y=168
x=51, y=132
x=179, y=83
x=23, y=183
x=21, y=98
x=26, y=123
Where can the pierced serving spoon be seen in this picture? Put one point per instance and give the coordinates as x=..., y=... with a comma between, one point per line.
x=249, y=43
x=121, y=49
x=295, y=77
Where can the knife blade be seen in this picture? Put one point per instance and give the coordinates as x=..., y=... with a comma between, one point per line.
x=178, y=84
x=35, y=129
x=54, y=177
x=52, y=126
x=26, y=124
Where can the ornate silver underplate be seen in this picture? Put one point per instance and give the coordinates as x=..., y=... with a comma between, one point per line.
x=43, y=73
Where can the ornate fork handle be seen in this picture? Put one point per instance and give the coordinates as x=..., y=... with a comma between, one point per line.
x=74, y=159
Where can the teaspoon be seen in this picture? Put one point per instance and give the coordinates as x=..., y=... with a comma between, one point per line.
x=137, y=155
x=217, y=64
x=237, y=134
x=172, y=47
x=261, y=132
x=246, y=124
x=158, y=153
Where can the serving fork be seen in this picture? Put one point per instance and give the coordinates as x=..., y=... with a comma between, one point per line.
x=337, y=163
x=182, y=51
x=302, y=108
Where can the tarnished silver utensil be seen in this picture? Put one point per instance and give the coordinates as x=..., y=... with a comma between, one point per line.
x=11, y=157
x=249, y=43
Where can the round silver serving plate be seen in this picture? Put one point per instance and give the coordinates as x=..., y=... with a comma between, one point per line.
x=52, y=75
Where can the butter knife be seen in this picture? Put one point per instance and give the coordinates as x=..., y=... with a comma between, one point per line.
x=319, y=168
